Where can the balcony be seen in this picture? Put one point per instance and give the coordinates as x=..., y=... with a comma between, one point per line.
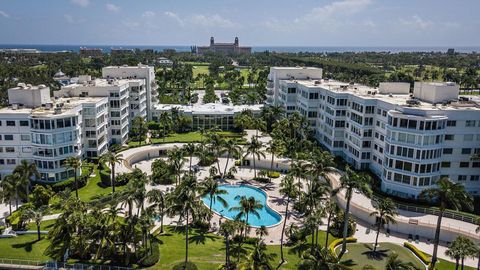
x=269, y=84
x=270, y=92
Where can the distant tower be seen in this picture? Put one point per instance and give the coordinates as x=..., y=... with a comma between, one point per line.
x=212, y=41
x=236, y=41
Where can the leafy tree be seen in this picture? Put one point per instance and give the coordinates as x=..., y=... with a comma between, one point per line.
x=159, y=200
x=259, y=259
x=232, y=149
x=14, y=184
x=211, y=189
x=138, y=129
x=321, y=259
x=36, y=214
x=385, y=213
x=177, y=160
x=447, y=193
x=41, y=195
x=394, y=263
x=162, y=172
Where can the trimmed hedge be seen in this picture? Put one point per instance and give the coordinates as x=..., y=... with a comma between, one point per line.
x=87, y=170
x=339, y=241
x=273, y=174
x=150, y=259
x=424, y=257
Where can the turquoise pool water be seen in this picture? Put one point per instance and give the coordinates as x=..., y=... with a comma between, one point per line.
x=268, y=217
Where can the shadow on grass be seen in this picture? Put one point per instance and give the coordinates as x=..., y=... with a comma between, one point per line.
x=201, y=238
x=183, y=266
x=379, y=254
x=27, y=246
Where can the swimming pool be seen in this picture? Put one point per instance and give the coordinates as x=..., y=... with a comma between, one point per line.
x=268, y=217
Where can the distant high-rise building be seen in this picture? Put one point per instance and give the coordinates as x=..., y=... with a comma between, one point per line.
x=225, y=48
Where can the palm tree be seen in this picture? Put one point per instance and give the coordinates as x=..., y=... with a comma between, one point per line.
x=385, y=213
x=261, y=232
x=158, y=198
x=7, y=192
x=246, y=207
x=288, y=189
x=232, y=149
x=177, y=161
x=394, y=263
x=461, y=248
x=15, y=185
x=165, y=120
x=322, y=259
x=190, y=148
x=275, y=147
x=349, y=182
x=37, y=216
x=259, y=259
x=228, y=229
x=111, y=158
x=331, y=209
x=27, y=170
x=446, y=193
x=211, y=189
x=74, y=163
x=254, y=148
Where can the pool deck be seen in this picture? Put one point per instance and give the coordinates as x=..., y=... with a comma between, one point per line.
x=277, y=203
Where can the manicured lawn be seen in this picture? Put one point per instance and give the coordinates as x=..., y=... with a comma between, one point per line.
x=44, y=225
x=24, y=247
x=207, y=251
x=360, y=254
x=189, y=137
x=94, y=188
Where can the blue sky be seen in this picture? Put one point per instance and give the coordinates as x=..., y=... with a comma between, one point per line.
x=255, y=22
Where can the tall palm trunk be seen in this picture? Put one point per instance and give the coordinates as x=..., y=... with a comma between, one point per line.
x=76, y=185
x=378, y=232
x=186, y=241
x=457, y=263
x=38, y=231
x=10, y=206
x=190, y=165
x=437, y=238
x=345, y=225
x=478, y=265
x=283, y=230
x=329, y=219
x=226, y=165
x=254, y=167
x=16, y=199
x=161, y=219
x=246, y=224
x=271, y=162
x=113, y=177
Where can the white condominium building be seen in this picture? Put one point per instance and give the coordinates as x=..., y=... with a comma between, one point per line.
x=46, y=131
x=409, y=140
x=127, y=99
x=137, y=72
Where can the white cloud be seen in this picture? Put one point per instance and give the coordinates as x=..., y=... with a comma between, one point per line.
x=113, y=8
x=4, y=14
x=148, y=14
x=82, y=3
x=175, y=17
x=71, y=19
x=212, y=20
x=327, y=17
x=417, y=23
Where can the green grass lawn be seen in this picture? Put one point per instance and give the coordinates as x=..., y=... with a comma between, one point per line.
x=94, y=188
x=207, y=251
x=360, y=254
x=24, y=247
x=187, y=137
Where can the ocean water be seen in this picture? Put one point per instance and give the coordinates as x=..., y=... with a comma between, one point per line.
x=288, y=49
x=267, y=217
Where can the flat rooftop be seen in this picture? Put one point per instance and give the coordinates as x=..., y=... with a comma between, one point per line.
x=67, y=106
x=367, y=92
x=209, y=108
x=103, y=83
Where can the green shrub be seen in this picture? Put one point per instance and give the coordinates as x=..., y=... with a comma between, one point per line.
x=339, y=241
x=424, y=257
x=273, y=174
x=238, y=163
x=105, y=178
x=263, y=180
x=150, y=258
x=2, y=228
x=336, y=229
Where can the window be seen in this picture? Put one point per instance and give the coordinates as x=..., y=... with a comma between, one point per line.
x=466, y=151
x=8, y=137
x=446, y=164
x=24, y=123
x=474, y=177
x=10, y=149
x=11, y=161
x=462, y=178
x=447, y=151
x=25, y=137
x=449, y=137
x=10, y=123
x=468, y=137
x=464, y=164
x=451, y=123
x=470, y=123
